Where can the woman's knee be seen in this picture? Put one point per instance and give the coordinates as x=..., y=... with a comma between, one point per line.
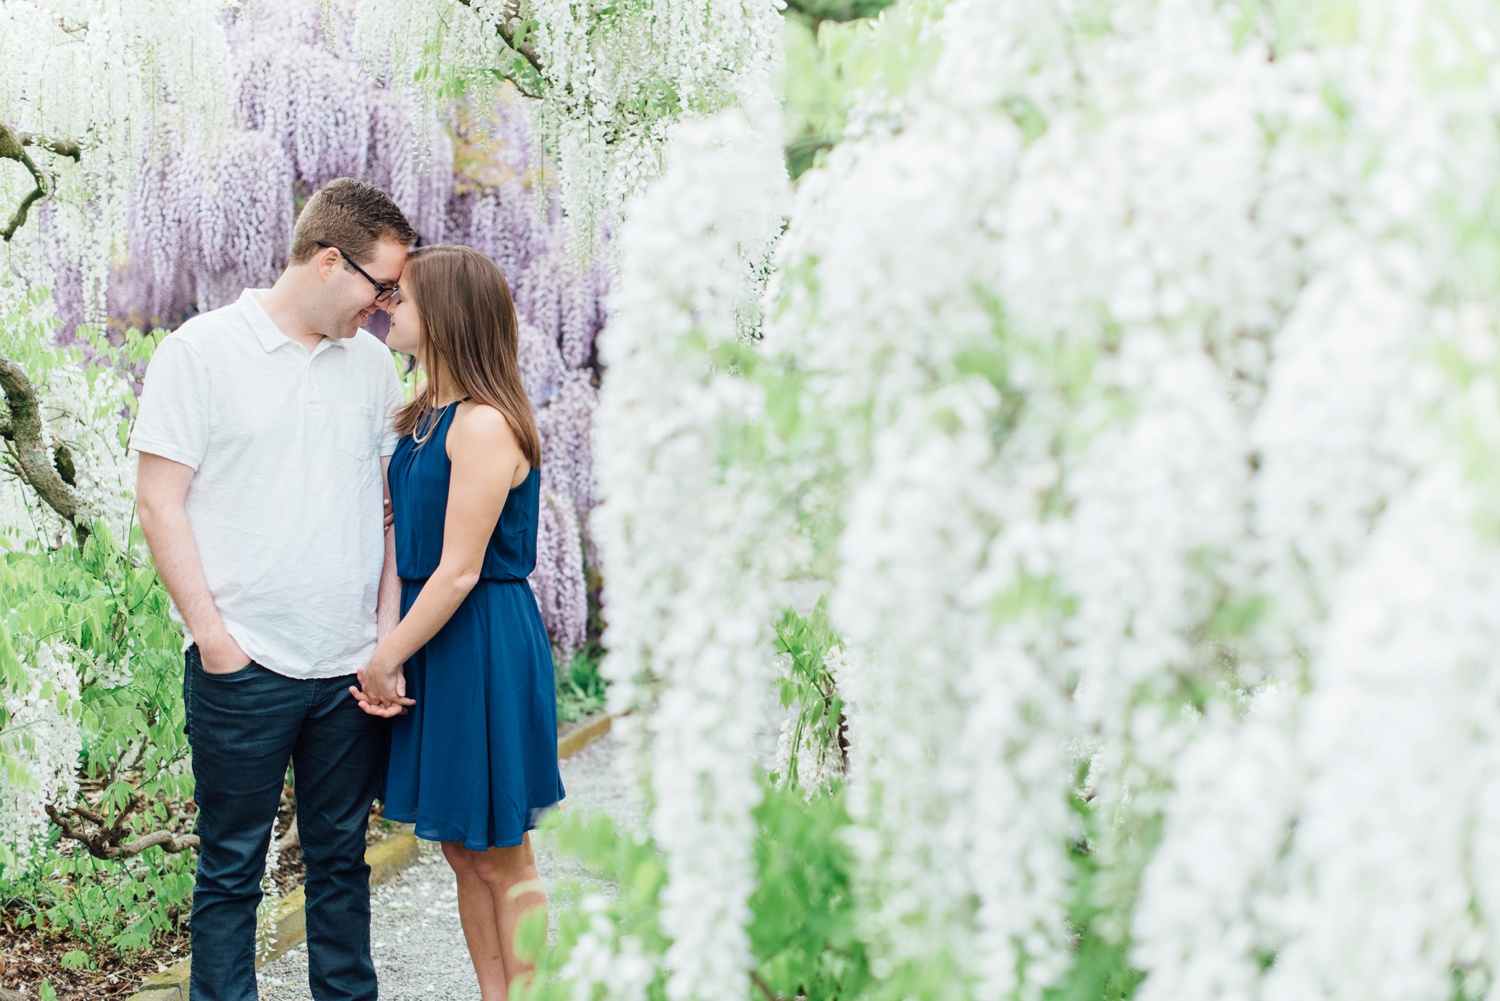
x=502, y=868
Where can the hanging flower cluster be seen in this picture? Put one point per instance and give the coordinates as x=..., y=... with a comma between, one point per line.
x=214, y=216
x=1139, y=372
x=114, y=79
x=42, y=731
x=691, y=629
x=79, y=408
x=205, y=223
x=613, y=79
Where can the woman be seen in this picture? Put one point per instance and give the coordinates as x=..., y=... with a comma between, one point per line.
x=474, y=755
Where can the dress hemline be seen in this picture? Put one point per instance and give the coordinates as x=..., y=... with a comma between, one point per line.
x=536, y=814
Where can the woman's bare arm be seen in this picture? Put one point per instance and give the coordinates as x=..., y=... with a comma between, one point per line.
x=388, y=604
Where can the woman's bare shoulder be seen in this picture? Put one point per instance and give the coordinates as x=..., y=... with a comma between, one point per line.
x=483, y=428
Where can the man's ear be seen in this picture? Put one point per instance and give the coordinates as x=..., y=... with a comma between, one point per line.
x=326, y=260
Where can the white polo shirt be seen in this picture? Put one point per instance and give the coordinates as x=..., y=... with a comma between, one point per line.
x=286, y=503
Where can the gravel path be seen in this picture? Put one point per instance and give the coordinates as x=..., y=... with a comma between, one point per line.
x=418, y=944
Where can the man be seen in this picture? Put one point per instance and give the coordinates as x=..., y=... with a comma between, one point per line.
x=263, y=437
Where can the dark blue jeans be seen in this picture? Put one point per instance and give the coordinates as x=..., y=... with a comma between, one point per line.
x=243, y=728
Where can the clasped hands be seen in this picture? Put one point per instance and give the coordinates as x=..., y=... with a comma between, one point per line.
x=382, y=688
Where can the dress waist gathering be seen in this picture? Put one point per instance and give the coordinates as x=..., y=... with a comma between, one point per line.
x=484, y=578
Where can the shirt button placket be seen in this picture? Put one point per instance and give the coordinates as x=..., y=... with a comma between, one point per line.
x=310, y=383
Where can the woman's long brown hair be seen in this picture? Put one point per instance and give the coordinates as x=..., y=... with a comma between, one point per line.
x=470, y=337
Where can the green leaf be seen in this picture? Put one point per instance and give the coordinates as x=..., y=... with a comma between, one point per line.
x=531, y=933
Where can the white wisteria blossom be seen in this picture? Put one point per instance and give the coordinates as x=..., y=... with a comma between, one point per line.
x=113, y=78
x=957, y=786
x=681, y=298
x=1135, y=377
x=80, y=410
x=1392, y=884
x=1371, y=513
x=606, y=965
x=1142, y=367
x=613, y=79
x=1201, y=926
x=43, y=732
x=1360, y=320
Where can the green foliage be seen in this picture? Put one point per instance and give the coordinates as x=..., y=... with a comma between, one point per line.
x=815, y=12
x=631, y=918
x=809, y=686
x=26, y=336
x=120, y=905
x=804, y=934
x=110, y=613
x=830, y=65
x=1468, y=985
x=580, y=686
x=1101, y=969
x=101, y=611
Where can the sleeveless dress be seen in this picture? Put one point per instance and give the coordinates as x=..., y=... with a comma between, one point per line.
x=475, y=760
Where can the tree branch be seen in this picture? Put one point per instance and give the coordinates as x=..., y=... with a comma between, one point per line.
x=765, y=988
x=60, y=147
x=13, y=147
x=169, y=842
x=14, y=151
x=37, y=460
x=107, y=841
x=508, y=29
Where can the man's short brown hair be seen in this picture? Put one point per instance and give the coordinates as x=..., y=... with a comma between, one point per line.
x=352, y=216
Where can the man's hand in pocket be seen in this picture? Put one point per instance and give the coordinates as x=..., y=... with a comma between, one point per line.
x=222, y=655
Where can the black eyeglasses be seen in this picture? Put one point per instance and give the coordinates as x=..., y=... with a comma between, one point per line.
x=383, y=293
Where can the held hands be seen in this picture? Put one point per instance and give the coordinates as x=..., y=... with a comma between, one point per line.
x=382, y=689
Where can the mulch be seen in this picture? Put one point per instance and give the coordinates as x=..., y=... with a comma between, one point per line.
x=28, y=958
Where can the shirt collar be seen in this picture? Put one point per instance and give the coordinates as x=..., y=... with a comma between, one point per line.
x=266, y=332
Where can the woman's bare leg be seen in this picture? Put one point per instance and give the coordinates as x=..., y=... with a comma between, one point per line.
x=516, y=891
x=476, y=912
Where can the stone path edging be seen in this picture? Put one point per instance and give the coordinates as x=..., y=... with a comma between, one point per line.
x=287, y=928
x=585, y=733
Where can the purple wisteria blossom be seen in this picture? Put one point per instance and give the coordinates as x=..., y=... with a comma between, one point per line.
x=212, y=217
x=559, y=578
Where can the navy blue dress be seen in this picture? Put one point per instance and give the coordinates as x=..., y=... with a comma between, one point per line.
x=475, y=760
